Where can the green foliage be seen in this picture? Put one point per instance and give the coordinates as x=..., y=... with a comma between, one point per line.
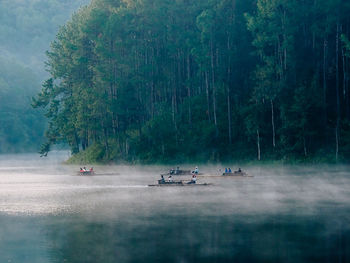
x=346, y=43
x=95, y=153
x=200, y=80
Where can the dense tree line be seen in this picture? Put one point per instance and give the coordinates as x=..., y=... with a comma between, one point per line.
x=201, y=80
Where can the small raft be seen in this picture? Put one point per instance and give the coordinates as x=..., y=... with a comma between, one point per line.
x=86, y=173
x=236, y=173
x=184, y=184
x=178, y=183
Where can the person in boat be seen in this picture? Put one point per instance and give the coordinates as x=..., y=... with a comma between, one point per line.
x=229, y=170
x=171, y=171
x=84, y=169
x=226, y=171
x=162, y=180
x=193, y=179
x=91, y=169
x=196, y=170
x=238, y=171
x=177, y=171
x=170, y=179
x=81, y=170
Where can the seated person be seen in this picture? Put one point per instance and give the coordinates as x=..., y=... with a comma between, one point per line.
x=193, y=179
x=196, y=170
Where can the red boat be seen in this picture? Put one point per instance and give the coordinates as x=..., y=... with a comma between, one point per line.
x=86, y=172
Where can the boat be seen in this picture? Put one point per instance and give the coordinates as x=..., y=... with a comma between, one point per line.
x=86, y=172
x=183, y=184
x=95, y=174
x=178, y=183
x=160, y=181
x=236, y=173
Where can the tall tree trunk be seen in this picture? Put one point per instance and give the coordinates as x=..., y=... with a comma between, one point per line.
x=273, y=125
x=114, y=98
x=284, y=40
x=126, y=148
x=229, y=115
x=189, y=91
x=345, y=88
x=337, y=95
x=173, y=109
x=228, y=91
x=214, y=89
x=346, y=69
x=106, y=142
x=152, y=91
x=325, y=82
x=114, y=126
x=76, y=142
x=87, y=139
x=258, y=143
x=207, y=93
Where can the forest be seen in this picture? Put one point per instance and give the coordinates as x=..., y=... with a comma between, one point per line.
x=208, y=80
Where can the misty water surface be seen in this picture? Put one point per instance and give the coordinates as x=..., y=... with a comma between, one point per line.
x=282, y=214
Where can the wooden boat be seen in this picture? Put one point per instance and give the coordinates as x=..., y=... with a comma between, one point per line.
x=160, y=181
x=86, y=172
x=236, y=173
x=177, y=183
x=171, y=185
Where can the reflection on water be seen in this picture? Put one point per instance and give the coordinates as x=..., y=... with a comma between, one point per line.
x=283, y=214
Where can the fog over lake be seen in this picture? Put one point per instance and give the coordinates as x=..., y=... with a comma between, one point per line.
x=48, y=213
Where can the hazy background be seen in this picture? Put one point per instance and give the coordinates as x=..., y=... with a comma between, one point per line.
x=26, y=29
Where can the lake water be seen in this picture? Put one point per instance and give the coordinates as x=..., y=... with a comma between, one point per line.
x=282, y=214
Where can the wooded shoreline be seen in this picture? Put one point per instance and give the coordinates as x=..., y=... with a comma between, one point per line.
x=84, y=158
x=201, y=80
